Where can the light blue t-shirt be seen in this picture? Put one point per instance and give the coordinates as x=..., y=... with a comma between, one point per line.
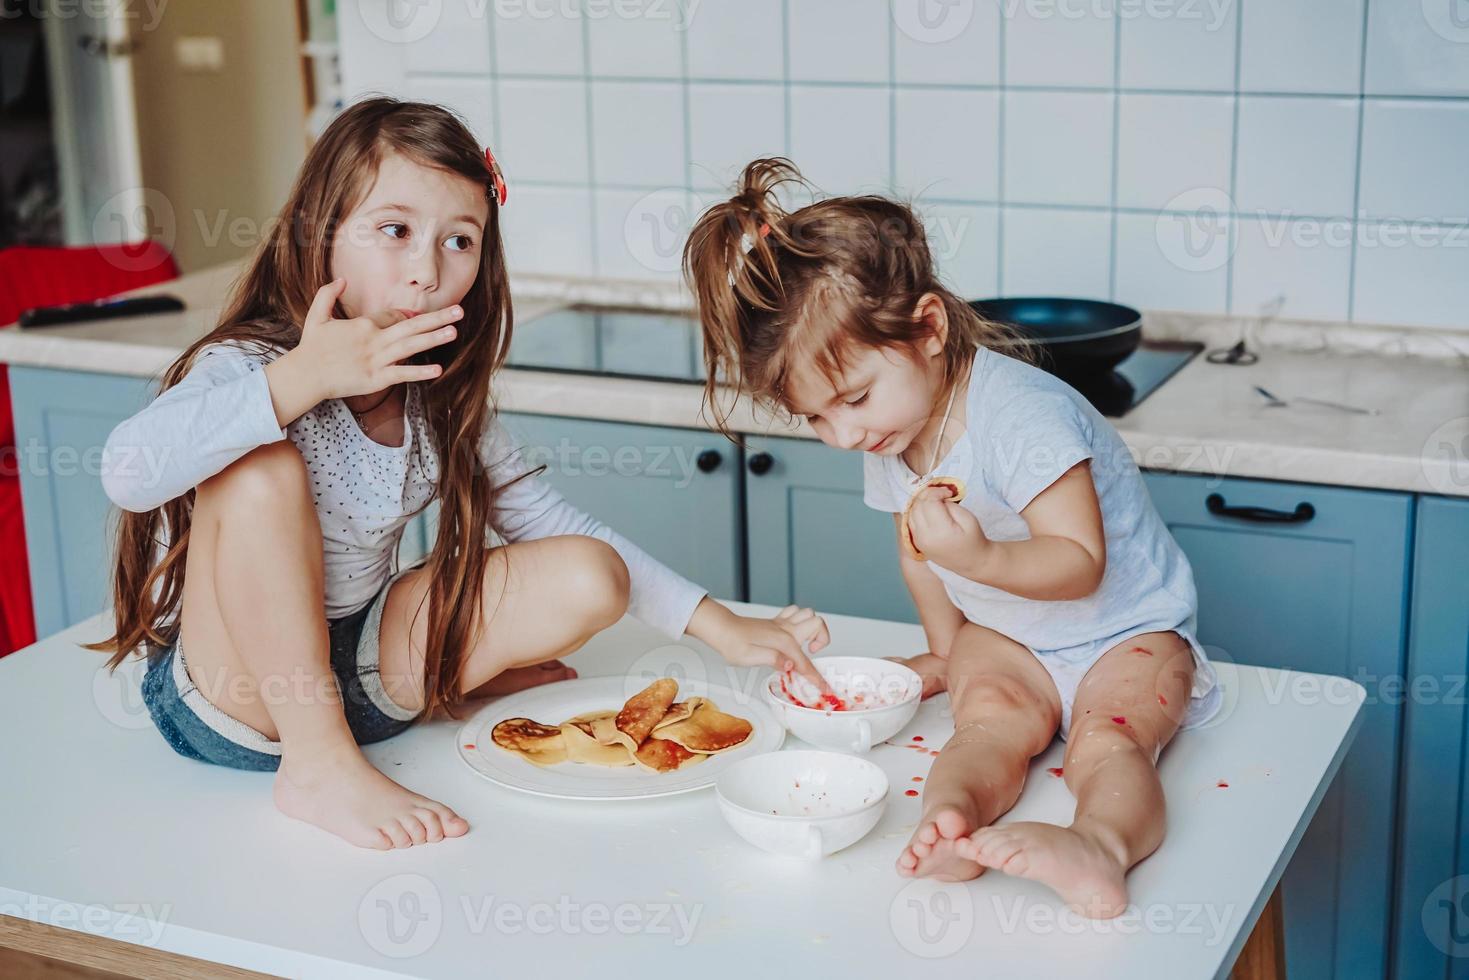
x=1024, y=429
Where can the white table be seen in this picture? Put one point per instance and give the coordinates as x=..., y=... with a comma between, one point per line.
x=194, y=859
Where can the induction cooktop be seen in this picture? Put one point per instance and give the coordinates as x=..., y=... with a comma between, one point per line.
x=657, y=346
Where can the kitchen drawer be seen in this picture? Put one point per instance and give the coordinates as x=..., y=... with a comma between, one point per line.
x=1319, y=588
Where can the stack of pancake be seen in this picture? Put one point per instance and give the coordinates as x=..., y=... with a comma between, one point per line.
x=652, y=731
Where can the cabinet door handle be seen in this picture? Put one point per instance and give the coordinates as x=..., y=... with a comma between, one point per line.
x=708, y=461
x=761, y=463
x=1303, y=512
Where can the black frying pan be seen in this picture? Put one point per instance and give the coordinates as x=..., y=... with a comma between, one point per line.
x=1080, y=339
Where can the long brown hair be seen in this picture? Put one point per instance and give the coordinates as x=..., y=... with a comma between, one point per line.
x=265, y=311
x=776, y=289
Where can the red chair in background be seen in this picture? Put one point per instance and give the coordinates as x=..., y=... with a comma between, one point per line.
x=47, y=277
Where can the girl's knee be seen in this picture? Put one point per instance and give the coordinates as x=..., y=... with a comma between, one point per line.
x=266, y=475
x=1007, y=703
x=1095, y=737
x=596, y=576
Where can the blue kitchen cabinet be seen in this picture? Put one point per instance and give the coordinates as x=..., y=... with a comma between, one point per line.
x=1431, y=938
x=676, y=493
x=812, y=541
x=1314, y=579
x=62, y=421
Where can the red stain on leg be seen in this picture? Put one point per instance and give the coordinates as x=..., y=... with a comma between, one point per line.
x=1119, y=719
x=1142, y=650
x=1162, y=700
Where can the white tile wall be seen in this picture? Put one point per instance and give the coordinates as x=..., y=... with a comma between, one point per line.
x=1050, y=252
x=1058, y=147
x=1415, y=160
x=1417, y=48
x=841, y=137
x=1296, y=155
x=1302, y=46
x=717, y=150
x=945, y=143
x=1190, y=48
x=964, y=240
x=1166, y=155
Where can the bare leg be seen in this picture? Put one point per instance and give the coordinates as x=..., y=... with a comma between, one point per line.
x=1127, y=709
x=543, y=600
x=1005, y=713
x=255, y=640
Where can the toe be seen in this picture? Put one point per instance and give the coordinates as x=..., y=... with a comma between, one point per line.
x=417, y=832
x=929, y=833
x=396, y=834
x=951, y=824
x=431, y=824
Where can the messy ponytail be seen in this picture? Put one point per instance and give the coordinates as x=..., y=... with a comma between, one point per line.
x=776, y=288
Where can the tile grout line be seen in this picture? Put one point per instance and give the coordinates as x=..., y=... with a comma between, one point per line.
x=785, y=69
x=1357, y=170
x=494, y=84
x=1232, y=228
x=1001, y=121
x=592, y=184
x=942, y=86
x=892, y=102
x=1114, y=230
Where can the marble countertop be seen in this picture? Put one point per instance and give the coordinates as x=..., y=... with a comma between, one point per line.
x=1207, y=419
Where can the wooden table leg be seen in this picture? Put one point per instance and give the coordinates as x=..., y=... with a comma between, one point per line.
x=96, y=955
x=1263, y=956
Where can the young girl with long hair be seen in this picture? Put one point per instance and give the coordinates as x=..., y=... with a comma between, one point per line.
x=347, y=386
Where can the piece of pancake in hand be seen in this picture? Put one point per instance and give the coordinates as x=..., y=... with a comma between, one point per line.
x=707, y=730
x=954, y=485
x=532, y=741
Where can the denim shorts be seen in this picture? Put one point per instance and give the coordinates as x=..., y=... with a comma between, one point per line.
x=198, y=729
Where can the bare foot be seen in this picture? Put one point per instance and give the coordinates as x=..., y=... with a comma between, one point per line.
x=521, y=678
x=342, y=793
x=931, y=667
x=933, y=851
x=1087, y=875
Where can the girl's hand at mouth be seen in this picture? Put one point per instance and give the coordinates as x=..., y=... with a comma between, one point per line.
x=356, y=356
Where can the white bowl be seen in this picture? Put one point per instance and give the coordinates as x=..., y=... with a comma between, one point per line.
x=894, y=690
x=802, y=803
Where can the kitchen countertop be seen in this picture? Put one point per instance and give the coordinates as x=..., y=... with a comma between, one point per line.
x=1207, y=419
x=119, y=836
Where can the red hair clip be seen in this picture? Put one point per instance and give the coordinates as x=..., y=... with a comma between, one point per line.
x=502, y=193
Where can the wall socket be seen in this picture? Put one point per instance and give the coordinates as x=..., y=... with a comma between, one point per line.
x=199, y=54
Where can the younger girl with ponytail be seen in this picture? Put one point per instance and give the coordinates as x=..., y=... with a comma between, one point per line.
x=1051, y=594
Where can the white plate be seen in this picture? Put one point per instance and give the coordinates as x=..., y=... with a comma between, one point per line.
x=552, y=704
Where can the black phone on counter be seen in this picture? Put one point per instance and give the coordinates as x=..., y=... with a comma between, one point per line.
x=102, y=309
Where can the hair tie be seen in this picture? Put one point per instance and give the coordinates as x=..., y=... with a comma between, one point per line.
x=502, y=192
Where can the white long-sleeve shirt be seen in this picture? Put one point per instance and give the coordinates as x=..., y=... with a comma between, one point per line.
x=364, y=491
